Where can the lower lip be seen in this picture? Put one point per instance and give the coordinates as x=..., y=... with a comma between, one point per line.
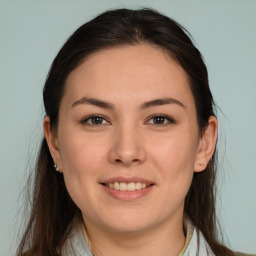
x=128, y=195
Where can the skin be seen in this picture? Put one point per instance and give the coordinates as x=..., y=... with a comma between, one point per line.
x=129, y=142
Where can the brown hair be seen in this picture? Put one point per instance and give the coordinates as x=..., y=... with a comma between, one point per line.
x=52, y=208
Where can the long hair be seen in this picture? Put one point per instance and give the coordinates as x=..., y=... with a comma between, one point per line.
x=52, y=208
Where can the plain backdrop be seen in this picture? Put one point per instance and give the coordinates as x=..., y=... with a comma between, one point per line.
x=31, y=33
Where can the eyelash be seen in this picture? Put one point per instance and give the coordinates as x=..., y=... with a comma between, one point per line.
x=85, y=121
x=169, y=120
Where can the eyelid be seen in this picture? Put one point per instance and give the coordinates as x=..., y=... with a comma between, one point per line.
x=170, y=119
x=85, y=119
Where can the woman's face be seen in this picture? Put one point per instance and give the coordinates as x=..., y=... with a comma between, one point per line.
x=128, y=120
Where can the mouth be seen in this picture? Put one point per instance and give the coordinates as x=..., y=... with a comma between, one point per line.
x=127, y=186
x=127, y=189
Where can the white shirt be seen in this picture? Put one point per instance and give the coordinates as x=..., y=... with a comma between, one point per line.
x=76, y=244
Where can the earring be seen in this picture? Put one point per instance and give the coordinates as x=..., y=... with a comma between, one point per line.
x=56, y=167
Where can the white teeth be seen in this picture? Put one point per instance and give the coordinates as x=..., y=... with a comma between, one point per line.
x=132, y=186
x=123, y=186
x=116, y=186
x=138, y=185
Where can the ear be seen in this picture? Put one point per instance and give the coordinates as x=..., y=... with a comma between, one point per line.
x=52, y=141
x=206, y=145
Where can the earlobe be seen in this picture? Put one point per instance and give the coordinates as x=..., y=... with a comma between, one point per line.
x=52, y=141
x=207, y=145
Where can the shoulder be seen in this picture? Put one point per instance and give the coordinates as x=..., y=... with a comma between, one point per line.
x=243, y=254
x=75, y=244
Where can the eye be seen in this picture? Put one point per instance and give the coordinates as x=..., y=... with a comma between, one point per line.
x=161, y=120
x=95, y=120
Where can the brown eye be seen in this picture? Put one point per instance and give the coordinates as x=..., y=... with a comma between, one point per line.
x=95, y=120
x=160, y=120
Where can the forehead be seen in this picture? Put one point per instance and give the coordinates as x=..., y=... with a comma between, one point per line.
x=135, y=72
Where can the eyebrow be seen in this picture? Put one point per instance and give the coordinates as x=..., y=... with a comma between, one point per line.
x=158, y=102
x=145, y=105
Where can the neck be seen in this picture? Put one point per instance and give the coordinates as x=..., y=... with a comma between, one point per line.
x=161, y=240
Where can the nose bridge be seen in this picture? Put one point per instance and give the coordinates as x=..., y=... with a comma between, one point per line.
x=127, y=147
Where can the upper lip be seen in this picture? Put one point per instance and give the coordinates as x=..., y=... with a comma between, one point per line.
x=127, y=180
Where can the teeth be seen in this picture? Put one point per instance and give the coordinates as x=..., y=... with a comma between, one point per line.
x=116, y=186
x=138, y=186
x=122, y=186
x=131, y=186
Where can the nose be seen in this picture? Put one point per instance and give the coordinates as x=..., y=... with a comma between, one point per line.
x=127, y=147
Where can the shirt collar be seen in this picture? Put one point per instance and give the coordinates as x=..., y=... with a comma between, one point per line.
x=78, y=243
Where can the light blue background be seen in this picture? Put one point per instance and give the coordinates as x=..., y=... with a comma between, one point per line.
x=225, y=32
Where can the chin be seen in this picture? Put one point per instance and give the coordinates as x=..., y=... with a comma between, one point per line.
x=128, y=228
x=127, y=223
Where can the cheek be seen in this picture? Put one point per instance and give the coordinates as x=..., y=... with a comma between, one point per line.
x=82, y=159
x=80, y=153
x=82, y=162
x=174, y=158
x=176, y=152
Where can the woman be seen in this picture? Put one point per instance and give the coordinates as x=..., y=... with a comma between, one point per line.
x=127, y=164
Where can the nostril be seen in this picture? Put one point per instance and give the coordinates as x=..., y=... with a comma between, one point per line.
x=128, y=161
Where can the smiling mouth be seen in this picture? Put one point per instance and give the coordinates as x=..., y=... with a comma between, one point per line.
x=123, y=186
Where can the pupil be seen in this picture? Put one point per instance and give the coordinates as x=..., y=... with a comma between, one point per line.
x=97, y=120
x=159, y=120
